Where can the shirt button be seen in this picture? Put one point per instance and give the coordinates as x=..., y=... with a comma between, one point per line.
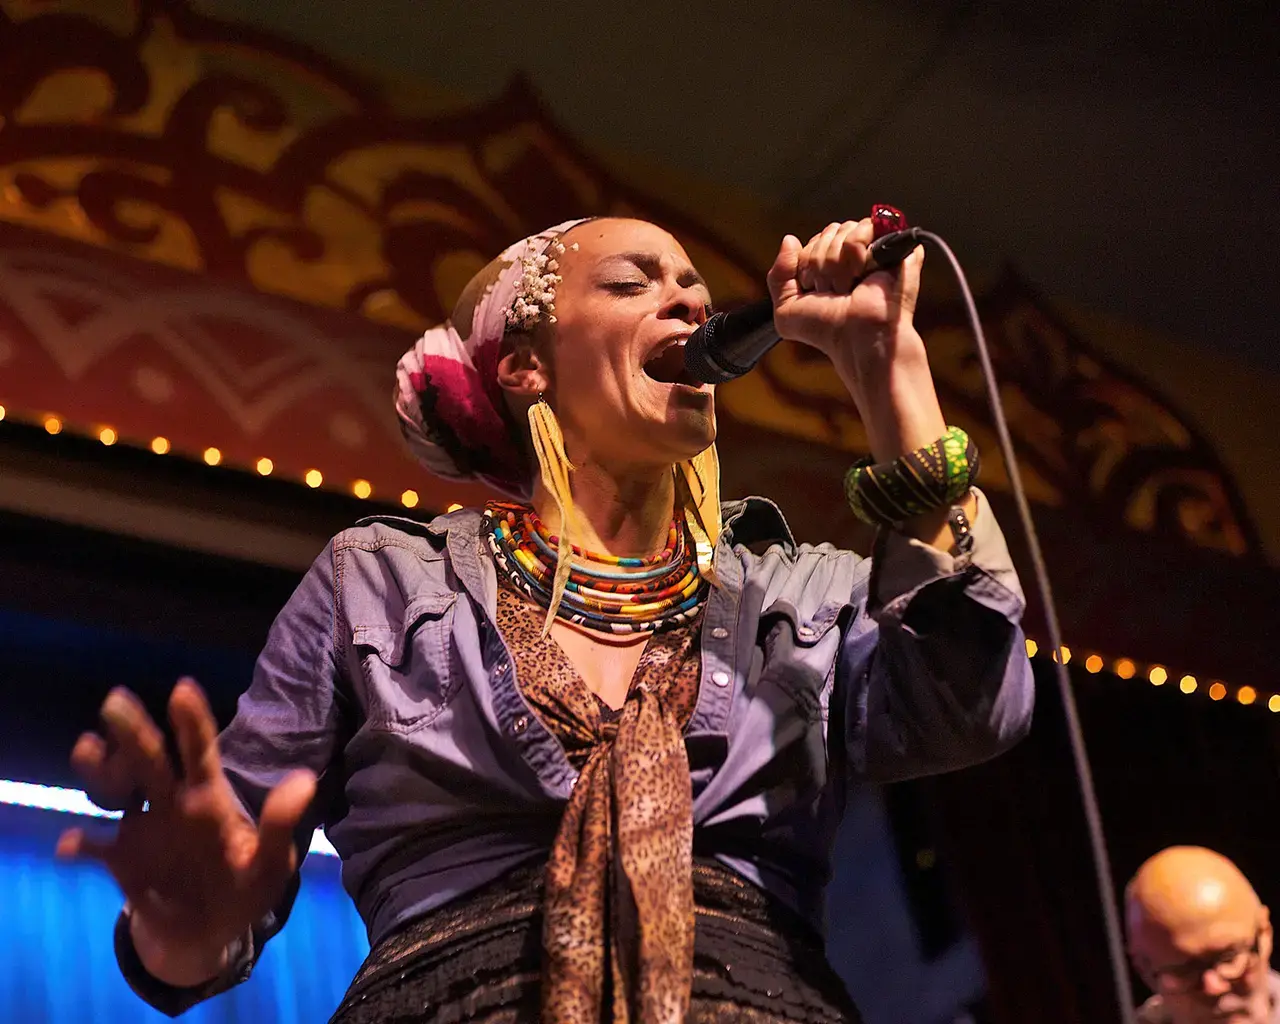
x=719, y=632
x=520, y=725
x=720, y=678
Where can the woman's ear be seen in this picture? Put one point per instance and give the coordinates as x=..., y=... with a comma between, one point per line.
x=521, y=371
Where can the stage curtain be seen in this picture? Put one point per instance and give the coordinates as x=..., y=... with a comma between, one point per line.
x=58, y=963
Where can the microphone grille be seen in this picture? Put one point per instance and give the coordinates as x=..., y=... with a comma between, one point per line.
x=697, y=353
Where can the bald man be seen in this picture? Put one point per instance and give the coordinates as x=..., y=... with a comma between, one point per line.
x=1201, y=939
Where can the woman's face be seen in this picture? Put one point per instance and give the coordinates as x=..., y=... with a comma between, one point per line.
x=628, y=301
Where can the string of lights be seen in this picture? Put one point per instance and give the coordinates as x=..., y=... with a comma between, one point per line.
x=313, y=478
x=1159, y=675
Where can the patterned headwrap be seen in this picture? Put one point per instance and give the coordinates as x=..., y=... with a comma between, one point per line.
x=448, y=399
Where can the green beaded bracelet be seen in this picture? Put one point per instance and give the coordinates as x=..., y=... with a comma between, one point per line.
x=932, y=477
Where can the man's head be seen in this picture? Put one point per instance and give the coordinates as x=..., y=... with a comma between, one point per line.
x=1200, y=937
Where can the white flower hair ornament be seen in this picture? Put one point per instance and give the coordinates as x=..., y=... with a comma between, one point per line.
x=535, y=296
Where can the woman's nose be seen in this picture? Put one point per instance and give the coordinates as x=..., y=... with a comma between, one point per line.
x=684, y=303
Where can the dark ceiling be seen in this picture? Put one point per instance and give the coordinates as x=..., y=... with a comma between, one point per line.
x=1124, y=156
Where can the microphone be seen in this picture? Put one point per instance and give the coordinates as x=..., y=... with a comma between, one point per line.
x=730, y=344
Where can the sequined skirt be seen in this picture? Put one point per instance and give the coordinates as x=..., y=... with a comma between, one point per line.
x=480, y=959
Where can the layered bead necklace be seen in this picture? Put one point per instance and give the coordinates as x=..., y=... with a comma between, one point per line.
x=634, y=595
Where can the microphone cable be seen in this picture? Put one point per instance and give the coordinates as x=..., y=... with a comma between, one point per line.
x=1079, y=755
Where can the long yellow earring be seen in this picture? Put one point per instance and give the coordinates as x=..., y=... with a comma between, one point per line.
x=555, y=467
x=699, y=481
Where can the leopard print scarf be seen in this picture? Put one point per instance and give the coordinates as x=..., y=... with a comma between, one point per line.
x=619, y=909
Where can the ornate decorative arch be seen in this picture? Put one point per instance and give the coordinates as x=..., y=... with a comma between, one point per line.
x=225, y=197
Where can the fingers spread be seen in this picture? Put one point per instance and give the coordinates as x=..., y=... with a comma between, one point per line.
x=276, y=857
x=104, y=772
x=89, y=755
x=287, y=803
x=75, y=844
x=70, y=844
x=140, y=744
x=196, y=732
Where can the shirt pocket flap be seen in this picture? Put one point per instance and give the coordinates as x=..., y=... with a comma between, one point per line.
x=392, y=642
x=808, y=629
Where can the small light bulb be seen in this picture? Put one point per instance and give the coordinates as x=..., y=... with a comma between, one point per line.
x=1217, y=691
x=1246, y=695
x=1032, y=647
x=362, y=488
x=1126, y=669
x=53, y=425
x=314, y=478
x=1093, y=663
x=1158, y=676
x=160, y=445
x=1188, y=684
x=212, y=456
x=1273, y=704
x=265, y=466
x=454, y=507
x=1, y=412
x=409, y=499
x=108, y=436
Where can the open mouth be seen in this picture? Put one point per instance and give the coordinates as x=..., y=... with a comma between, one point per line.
x=667, y=367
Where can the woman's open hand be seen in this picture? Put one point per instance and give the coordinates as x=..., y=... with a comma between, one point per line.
x=196, y=871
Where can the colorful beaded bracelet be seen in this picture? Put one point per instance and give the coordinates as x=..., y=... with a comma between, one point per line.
x=932, y=477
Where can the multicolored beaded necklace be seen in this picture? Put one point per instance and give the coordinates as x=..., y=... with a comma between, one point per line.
x=637, y=595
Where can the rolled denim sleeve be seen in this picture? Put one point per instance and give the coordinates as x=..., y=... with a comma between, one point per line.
x=170, y=999
x=295, y=714
x=933, y=670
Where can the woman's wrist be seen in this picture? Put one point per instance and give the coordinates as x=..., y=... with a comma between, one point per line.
x=892, y=386
x=179, y=967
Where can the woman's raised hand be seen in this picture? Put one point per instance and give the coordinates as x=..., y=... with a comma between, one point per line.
x=815, y=298
x=196, y=871
x=865, y=326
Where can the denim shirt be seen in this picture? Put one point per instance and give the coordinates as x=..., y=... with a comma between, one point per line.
x=385, y=675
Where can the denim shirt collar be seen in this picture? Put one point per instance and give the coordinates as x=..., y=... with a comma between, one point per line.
x=750, y=520
x=755, y=520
